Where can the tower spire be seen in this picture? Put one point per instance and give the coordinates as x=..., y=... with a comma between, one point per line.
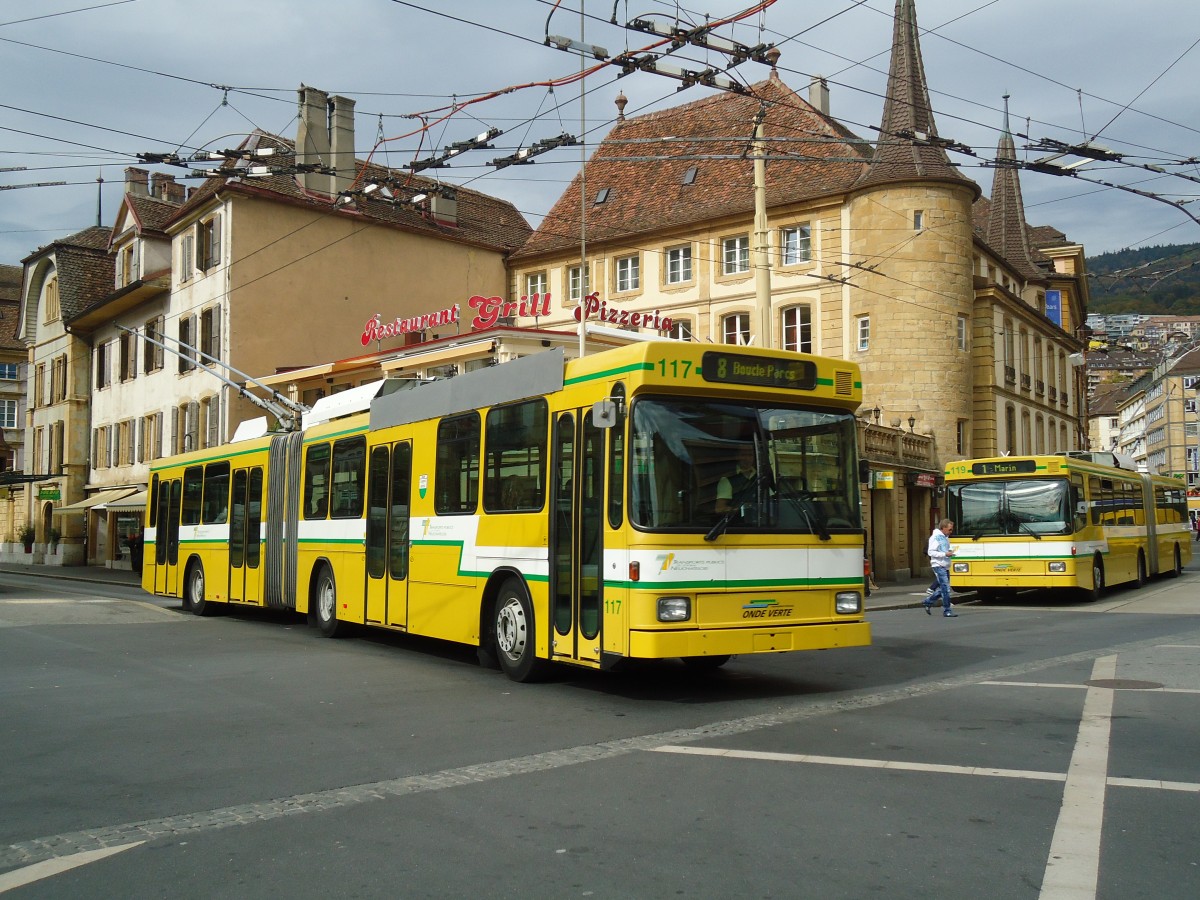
x=906, y=109
x=1006, y=230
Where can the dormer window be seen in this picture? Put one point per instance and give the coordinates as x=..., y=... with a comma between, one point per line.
x=689, y=177
x=602, y=196
x=127, y=264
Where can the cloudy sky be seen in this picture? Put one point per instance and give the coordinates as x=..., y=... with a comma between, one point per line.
x=90, y=84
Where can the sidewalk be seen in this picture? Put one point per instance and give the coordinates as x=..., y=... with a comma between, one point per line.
x=94, y=574
x=889, y=594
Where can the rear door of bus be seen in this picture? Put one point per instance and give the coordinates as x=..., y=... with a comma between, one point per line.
x=576, y=536
x=166, y=541
x=389, y=477
x=245, y=536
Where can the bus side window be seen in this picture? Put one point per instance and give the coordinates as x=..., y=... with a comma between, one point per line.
x=349, y=479
x=456, y=477
x=216, y=493
x=316, y=481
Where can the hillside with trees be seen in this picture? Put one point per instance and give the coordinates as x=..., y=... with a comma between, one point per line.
x=1163, y=280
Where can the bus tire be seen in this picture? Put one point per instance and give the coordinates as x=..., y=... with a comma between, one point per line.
x=706, y=663
x=196, y=600
x=513, y=631
x=1177, y=568
x=324, y=601
x=1141, y=570
x=1097, y=580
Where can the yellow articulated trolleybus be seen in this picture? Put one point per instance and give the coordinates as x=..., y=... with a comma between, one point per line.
x=582, y=512
x=1064, y=521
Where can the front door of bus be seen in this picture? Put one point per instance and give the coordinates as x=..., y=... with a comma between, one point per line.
x=166, y=538
x=388, y=486
x=245, y=536
x=577, y=537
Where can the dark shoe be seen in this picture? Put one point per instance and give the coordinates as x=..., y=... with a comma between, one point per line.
x=950, y=615
x=928, y=608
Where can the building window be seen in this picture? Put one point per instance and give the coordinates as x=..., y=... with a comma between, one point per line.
x=51, y=300
x=8, y=413
x=679, y=265
x=735, y=256
x=1010, y=429
x=8, y=371
x=187, y=257
x=152, y=354
x=187, y=326
x=58, y=379
x=797, y=329
x=128, y=355
x=208, y=243
x=960, y=442
x=795, y=244
x=573, y=276
x=103, y=365
x=127, y=264
x=681, y=330
x=535, y=284
x=629, y=273
x=962, y=332
x=918, y=219
x=864, y=333
x=735, y=328
x=39, y=385
x=210, y=333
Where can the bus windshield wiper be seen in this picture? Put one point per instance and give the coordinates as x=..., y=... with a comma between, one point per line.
x=803, y=503
x=1025, y=527
x=735, y=506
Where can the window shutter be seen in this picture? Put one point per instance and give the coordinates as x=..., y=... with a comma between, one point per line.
x=214, y=421
x=95, y=448
x=198, y=246
x=193, y=424
x=156, y=439
x=215, y=255
x=215, y=350
x=174, y=429
x=112, y=439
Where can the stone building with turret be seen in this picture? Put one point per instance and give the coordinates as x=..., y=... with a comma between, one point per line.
x=963, y=318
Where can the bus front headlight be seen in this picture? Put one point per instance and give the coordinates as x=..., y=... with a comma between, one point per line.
x=1058, y=567
x=960, y=568
x=847, y=602
x=674, y=609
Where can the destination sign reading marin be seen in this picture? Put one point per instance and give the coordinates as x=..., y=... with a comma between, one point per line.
x=737, y=368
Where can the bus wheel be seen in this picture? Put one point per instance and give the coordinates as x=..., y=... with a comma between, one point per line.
x=195, y=592
x=1177, y=569
x=1141, y=570
x=513, y=629
x=706, y=663
x=1097, y=580
x=325, y=601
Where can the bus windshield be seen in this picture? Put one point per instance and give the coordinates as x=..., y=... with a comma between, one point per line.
x=1018, y=507
x=718, y=467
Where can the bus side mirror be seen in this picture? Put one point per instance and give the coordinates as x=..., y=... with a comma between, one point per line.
x=604, y=413
x=864, y=471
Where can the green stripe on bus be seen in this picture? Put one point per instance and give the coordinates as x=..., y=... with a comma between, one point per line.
x=607, y=373
x=334, y=435
x=726, y=586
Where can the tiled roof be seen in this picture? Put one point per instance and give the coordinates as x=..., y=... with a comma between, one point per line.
x=483, y=220
x=1041, y=236
x=10, y=282
x=151, y=213
x=643, y=161
x=94, y=238
x=906, y=108
x=1006, y=229
x=85, y=277
x=1187, y=364
x=9, y=313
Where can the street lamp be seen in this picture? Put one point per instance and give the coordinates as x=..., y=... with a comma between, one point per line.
x=912, y=424
x=877, y=412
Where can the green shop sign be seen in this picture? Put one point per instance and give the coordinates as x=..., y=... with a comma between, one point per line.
x=49, y=494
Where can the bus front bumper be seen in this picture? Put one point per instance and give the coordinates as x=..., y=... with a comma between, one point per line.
x=744, y=641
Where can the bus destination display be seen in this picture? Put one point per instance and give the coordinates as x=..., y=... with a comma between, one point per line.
x=760, y=371
x=1016, y=467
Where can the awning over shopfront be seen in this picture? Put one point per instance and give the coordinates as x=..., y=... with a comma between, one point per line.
x=125, y=504
x=101, y=497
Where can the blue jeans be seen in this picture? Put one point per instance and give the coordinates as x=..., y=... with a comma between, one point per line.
x=942, y=576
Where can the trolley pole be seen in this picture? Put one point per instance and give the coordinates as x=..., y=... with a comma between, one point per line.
x=761, y=258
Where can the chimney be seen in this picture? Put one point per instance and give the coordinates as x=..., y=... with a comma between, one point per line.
x=137, y=181
x=312, y=139
x=818, y=94
x=341, y=143
x=164, y=187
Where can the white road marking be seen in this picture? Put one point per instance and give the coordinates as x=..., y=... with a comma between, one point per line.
x=21, y=877
x=1083, y=687
x=1028, y=774
x=1073, y=869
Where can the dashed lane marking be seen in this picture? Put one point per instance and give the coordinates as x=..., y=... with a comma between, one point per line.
x=38, y=871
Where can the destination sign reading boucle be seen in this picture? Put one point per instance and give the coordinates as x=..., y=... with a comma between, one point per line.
x=738, y=368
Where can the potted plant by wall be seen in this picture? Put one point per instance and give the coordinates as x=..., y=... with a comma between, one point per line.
x=55, y=536
x=27, y=534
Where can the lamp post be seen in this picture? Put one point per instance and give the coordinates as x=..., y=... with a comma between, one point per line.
x=877, y=412
x=912, y=424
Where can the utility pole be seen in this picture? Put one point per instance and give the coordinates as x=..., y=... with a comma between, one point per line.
x=761, y=258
